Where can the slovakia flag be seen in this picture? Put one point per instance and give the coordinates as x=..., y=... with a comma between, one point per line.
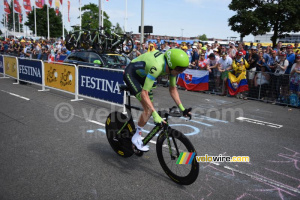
x=195, y=80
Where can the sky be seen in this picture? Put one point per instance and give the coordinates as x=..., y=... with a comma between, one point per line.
x=168, y=17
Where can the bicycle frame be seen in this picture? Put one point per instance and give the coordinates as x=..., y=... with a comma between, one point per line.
x=154, y=131
x=74, y=36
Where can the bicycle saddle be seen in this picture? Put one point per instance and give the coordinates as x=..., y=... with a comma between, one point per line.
x=124, y=88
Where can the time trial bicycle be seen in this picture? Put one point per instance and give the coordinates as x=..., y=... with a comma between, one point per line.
x=169, y=145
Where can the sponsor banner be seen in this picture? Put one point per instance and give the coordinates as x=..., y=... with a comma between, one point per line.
x=30, y=70
x=101, y=84
x=60, y=76
x=11, y=67
x=1, y=64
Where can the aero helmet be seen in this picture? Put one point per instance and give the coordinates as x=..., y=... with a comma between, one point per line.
x=176, y=58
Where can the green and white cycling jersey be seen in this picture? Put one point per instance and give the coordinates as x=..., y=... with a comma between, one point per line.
x=155, y=66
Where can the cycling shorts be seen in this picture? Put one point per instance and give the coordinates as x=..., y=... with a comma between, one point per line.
x=134, y=79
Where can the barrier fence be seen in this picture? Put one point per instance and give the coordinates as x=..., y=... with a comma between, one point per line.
x=102, y=84
x=96, y=83
x=264, y=86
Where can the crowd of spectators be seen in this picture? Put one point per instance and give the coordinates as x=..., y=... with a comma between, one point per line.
x=34, y=49
x=272, y=73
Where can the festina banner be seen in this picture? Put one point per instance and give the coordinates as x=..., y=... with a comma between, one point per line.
x=101, y=84
x=6, y=7
x=30, y=70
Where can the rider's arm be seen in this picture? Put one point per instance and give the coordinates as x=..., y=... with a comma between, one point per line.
x=145, y=100
x=174, y=93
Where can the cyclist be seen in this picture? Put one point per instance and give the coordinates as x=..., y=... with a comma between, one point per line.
x=140, y=76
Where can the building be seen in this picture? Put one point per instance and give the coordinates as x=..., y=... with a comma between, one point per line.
x=266, y=38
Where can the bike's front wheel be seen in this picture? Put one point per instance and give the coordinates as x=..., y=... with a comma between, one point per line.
x=168, y=153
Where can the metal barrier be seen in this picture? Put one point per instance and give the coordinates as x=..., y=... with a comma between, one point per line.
x=96, y=83
x=263, y=86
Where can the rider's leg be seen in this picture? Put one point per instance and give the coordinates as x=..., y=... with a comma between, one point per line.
x=134, y=83
x=145, y=116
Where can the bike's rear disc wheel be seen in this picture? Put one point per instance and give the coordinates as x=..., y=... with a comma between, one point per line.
x=121, y=143
x=127, y=45
x=184, y=174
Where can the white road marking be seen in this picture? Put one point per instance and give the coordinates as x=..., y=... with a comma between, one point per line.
x=210, y=119
x=95, y=122
x=254, y=121
x=16, y=95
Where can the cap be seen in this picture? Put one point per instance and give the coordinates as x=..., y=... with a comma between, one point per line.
x=194, y=47
x=240, y=53
x=184, y=47
x=254, y=48
x=290, y=46
x=22, y=40
x=212, y=55
x=215, y=49
x=274, y=51
x=208, y=45
x=231, y=43
x=204, y=48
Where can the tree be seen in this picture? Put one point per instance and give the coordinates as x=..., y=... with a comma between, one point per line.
x=118, y=29
x=90, y=17
x=202, y=37
x=55, y=22
x=258, y=17
x=10, y=22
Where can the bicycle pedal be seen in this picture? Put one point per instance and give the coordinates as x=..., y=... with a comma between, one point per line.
x=135, y=150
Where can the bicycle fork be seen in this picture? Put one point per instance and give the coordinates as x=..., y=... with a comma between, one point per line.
x=170, y=146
